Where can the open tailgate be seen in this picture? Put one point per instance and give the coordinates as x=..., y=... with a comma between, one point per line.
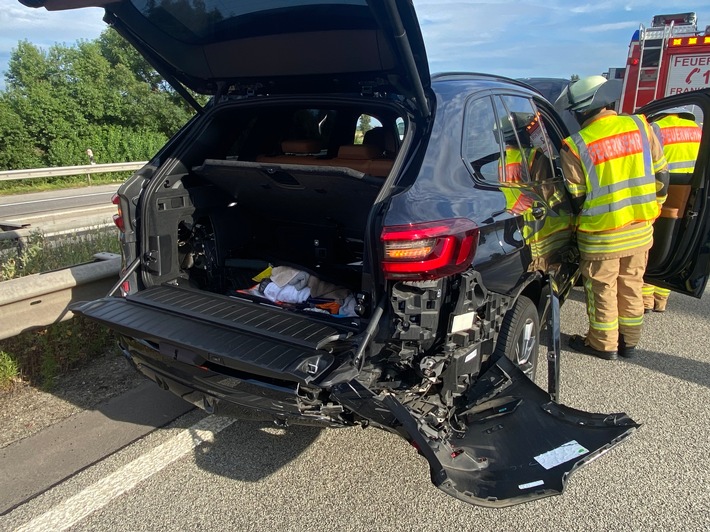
x=197, y=327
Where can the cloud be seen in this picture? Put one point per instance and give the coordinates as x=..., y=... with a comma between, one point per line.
x=591, y=8
x=44, y=28
x=611, y=27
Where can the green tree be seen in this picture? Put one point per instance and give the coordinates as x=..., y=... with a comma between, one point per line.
x=98, y=94
x=364, y=124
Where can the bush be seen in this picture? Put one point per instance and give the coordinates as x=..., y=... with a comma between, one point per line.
x=37, y=254
x=9, y=371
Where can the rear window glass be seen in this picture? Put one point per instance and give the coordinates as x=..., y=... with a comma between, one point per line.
x=213, y=20
x=266, y=132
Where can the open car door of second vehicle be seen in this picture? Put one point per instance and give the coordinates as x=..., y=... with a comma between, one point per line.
x=680, y=257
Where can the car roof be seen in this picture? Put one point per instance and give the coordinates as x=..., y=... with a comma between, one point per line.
x=550, y=88
x=484, y=80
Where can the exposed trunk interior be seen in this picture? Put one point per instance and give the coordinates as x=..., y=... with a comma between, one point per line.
x=220, y=235
x=289, y=186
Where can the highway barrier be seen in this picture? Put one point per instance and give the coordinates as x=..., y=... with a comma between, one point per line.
x=56, y=171
x=43, y=299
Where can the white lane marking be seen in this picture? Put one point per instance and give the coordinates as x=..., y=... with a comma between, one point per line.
x=93, y=498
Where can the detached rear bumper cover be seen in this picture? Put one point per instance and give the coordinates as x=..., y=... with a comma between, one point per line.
x=517, y=445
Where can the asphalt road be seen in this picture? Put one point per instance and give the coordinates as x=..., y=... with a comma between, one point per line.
x=43, y=209
x=206, y=473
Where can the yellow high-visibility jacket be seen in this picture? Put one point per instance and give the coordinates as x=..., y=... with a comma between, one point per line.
x=680, y=138
x=619, y=184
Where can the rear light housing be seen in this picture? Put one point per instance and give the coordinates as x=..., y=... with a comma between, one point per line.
x=125, y=288
x=118, y=217
x=429, y=250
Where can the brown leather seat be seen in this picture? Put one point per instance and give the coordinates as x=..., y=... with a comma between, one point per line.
x=386, y=145
x=295, y=151
x=365, y=158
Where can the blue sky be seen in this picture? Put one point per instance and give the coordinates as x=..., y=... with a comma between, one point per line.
x=524, y=38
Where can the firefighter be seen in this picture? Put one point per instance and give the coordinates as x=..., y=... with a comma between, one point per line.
x=680, y=137
x=617, y=175
x=519, y=150
x=523, y=163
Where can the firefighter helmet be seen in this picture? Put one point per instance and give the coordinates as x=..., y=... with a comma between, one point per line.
x=591, y=93
x=681, y=112
x=509, y=124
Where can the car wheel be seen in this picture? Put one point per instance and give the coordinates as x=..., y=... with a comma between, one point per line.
x=519, y=337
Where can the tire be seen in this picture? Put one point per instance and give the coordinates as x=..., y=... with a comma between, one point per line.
x=519, y=337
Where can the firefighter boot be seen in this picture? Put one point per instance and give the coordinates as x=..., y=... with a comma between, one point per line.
x=578, y=343
x=626, y=351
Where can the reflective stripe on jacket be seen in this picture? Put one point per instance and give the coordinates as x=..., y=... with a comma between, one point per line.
x=514, y=165
x=620, y=183
x=680, y=138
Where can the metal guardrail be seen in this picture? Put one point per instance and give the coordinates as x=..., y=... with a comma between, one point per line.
x=9, y=175
x=43, y=299
x=56, y=229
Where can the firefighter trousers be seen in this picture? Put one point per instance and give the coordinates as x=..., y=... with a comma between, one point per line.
x=614, y=300
x=655, y=298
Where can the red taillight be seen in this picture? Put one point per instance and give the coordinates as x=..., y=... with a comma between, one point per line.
x=118, y=218
x=428, y=250
x=125, y=288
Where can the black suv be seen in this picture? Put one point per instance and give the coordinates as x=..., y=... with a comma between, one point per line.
x=340, y=238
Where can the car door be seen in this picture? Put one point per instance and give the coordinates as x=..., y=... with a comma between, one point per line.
x=680, y=257
x=508, y=146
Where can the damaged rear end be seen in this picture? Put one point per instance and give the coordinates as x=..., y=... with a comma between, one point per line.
x=491, y=436
x=501, y=440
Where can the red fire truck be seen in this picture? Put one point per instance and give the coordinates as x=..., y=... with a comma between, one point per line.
x=670, y=57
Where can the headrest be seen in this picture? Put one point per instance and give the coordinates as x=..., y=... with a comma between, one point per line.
x=300, y=147
x=358, y=152
x=378, y=136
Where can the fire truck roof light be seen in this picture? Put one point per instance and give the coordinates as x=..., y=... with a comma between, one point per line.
x=693, y=40
x=675, y=18
x=677, y=42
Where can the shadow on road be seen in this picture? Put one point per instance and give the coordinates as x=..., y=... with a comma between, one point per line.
x=250, y=451
x=693, y=371
x=686, y=369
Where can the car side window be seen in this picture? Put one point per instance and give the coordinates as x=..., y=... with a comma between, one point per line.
x=528, y=149
x=365, y=123
x=481, y=148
